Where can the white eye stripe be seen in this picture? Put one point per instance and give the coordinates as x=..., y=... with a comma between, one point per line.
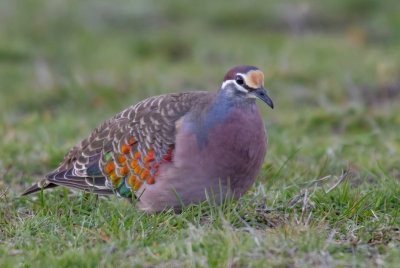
x=225, y=83
x=238, y=87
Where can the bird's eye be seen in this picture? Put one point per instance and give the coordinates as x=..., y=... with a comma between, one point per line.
x=239, y=80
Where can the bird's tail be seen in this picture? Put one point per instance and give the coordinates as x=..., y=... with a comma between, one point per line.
x=37, y=187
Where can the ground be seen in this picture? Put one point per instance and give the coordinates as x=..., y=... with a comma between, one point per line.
x=329, y=191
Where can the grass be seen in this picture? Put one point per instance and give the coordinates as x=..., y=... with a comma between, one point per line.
x=329, y=191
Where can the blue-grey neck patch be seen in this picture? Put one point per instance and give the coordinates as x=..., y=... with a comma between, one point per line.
x=217, y=114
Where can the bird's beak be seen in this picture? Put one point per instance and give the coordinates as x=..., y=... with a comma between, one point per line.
x=261, y=93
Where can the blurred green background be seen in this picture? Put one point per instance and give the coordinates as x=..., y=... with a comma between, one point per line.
x=331, y=67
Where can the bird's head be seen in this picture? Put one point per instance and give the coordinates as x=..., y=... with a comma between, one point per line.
x=246, y=82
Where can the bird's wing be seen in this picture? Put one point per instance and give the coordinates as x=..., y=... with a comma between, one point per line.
x=127, y=150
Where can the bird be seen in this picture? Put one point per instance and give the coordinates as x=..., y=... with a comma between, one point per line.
x=173, y=150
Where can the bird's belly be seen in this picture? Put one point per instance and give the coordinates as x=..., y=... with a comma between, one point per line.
x=235, y=154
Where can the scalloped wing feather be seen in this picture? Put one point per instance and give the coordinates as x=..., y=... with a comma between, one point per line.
x=125, y=151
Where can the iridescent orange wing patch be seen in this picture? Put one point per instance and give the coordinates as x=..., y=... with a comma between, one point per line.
x=135, y=168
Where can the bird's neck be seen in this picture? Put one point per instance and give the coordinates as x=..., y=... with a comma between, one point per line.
x=226, y=101
x=218, y=113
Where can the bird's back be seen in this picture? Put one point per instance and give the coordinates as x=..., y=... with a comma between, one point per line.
x=148, y=126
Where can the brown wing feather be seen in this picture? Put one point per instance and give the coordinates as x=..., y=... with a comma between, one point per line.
x=150, y=123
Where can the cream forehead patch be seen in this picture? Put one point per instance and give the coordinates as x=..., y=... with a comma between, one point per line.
x=255, y=79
